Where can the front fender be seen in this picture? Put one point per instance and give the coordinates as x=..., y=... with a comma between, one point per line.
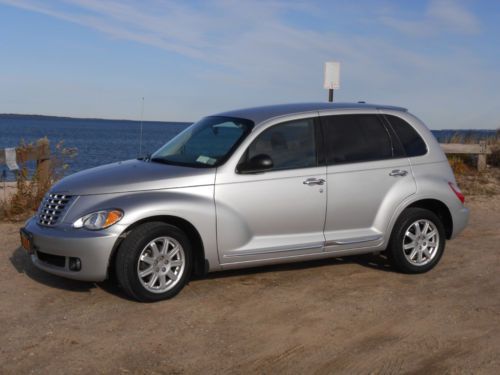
x=192, y=204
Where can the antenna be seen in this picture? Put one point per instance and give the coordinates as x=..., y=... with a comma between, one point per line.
x=140, y=139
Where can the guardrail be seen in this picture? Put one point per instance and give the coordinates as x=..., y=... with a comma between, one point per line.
x=480, y=149
x=39, y=152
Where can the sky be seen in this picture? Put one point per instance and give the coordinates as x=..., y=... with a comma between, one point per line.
x=188, y=59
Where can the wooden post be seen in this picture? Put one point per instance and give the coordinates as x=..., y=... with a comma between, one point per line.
x=481, y=157
x=43, y=163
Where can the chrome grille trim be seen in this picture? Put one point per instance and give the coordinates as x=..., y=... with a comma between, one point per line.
x=52, y=208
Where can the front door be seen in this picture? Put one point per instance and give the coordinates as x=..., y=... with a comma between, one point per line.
x=280, y=212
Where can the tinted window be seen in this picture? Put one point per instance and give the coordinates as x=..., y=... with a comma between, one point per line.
x=356, y=138
x=290, y=145
x=413, y=144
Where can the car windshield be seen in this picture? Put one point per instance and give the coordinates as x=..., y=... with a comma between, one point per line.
x=205, y=144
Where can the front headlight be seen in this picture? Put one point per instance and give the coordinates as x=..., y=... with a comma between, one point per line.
x=99, y=219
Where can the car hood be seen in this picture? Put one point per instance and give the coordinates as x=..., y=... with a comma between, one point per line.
x=133, y=175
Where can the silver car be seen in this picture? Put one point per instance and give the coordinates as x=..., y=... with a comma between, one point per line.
x=254, y=187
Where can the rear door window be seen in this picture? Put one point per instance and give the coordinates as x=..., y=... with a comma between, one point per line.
x=357, y=138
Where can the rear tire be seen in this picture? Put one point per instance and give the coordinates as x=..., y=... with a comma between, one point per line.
x=417, y=241
x=154, y=262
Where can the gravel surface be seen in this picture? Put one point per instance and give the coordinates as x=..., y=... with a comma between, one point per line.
x=351, y=315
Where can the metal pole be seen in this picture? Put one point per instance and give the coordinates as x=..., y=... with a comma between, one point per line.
x=330, y=95
x=140, y=138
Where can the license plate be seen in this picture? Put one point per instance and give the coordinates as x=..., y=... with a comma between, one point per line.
x=26, y=241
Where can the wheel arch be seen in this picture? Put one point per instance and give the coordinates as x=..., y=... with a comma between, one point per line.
x=200, y=266
x=440, y=209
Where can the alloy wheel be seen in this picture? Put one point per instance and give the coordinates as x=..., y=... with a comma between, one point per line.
x=421, y=242
x=161, y=264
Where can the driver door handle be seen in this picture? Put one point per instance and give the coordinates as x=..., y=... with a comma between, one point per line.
x=313, y=181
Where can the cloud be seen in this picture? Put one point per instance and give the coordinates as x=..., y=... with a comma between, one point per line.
x=452, y=15
x=441, y=16
x=250, y=52
x=253, y=38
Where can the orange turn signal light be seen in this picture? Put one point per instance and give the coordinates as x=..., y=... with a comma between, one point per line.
x=113, y=217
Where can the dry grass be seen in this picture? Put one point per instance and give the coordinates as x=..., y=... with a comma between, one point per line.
x=469, y=138
x=480, y=183
x=494, y=158
x=459, y=165
x=30, y=188
x=471, y=181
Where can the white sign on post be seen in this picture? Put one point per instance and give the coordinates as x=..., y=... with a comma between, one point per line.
x=332, y=75
x=10, y=159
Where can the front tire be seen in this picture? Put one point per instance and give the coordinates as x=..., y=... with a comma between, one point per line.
x=154, y=262
x=417, y=241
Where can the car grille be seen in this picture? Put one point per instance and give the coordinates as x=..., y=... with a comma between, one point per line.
x=52, y=208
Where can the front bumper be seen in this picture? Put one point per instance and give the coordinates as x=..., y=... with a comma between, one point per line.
x=53, y=247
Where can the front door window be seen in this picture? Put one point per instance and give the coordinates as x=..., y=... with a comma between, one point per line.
x=291, y=145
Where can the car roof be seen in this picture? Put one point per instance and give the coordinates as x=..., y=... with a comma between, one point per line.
x=263, y=113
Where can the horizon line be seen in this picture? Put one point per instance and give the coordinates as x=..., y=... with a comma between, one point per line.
x=88, y=118
x=178, y=122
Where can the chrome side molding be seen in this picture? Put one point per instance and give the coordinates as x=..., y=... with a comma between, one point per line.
x=350, y=241
x=278, y=249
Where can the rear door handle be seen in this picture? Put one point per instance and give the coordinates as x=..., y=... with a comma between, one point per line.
x=398, y=173
x=313, y=181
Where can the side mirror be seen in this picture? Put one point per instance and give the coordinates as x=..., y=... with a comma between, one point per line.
x=259, y=163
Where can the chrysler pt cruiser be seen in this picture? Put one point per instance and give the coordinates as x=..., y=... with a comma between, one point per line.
x=254, y=187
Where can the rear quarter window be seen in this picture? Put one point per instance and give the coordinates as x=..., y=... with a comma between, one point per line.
x=412, y=143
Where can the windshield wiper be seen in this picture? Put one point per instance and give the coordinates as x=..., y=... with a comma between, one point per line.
x=161, y=160
x=179, y=163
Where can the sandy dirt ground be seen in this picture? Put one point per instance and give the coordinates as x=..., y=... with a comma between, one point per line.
x=337, y=316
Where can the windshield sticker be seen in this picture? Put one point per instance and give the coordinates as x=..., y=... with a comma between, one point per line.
x=206, y=160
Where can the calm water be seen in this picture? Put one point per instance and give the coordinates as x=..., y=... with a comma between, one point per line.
x=106, y=141
x=97, y=141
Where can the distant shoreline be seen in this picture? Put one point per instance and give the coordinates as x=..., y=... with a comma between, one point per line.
x=63, y=118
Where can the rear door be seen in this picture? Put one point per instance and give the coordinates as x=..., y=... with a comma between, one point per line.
x=368, y=176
